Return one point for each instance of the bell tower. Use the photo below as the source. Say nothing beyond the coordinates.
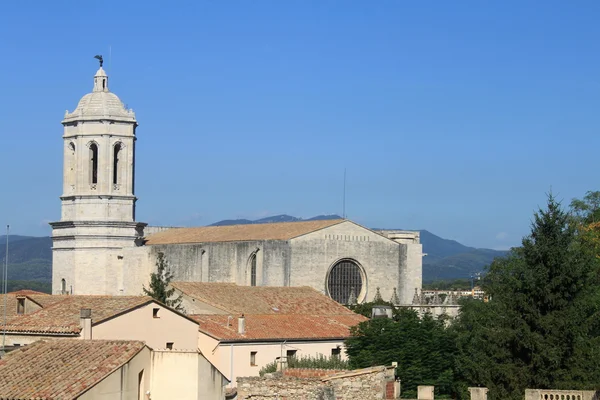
(98, 199)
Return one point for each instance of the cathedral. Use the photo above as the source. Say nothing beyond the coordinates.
(100, 248)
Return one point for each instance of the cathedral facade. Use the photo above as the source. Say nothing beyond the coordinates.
(99, 248)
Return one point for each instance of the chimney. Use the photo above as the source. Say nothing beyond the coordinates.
(242, 325)
(85, 318)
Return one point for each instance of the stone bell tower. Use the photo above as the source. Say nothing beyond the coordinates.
(98, 200)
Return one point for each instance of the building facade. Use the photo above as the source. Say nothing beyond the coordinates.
(100, 248)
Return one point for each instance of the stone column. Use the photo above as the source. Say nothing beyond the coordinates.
(478, 393)
(425, 392)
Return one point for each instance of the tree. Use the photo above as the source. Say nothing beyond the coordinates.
(159, 284)
(423, 348)
(541, 328)
(587, 210)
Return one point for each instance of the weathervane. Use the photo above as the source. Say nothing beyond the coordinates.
(99, 57)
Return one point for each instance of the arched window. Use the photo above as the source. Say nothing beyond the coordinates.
(93, 163)
(345, 280)
(63, 286)
(253, 270)
(116, 153)
(71, 165)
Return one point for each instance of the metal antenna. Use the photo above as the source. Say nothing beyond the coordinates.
(5, 292)
(344, 197)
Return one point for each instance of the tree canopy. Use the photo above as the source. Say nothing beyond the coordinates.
(423, 348)
(541, 327)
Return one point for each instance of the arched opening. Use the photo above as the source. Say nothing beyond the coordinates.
(116, 153)
(345, 282)
(253, 270)
(71, 165)
(103, 84)
(93, 163)
(63, 286)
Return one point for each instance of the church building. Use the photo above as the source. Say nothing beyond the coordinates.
(100, 248)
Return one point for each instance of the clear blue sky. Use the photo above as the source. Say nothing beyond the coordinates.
(455, 117)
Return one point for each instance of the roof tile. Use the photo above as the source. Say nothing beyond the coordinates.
(61, 369)
(274, 327)
(235, 299)
(62, 317)
(239, 233)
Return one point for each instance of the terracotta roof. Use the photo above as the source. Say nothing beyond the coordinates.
(39, 298)
(61, 369)
(25, 292)
(62, 317)
(275, 327)
(235, 299)
(239, 233)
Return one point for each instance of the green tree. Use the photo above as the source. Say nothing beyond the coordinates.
(541, 327)
(159, 284)
(587, 210)
(423, 348)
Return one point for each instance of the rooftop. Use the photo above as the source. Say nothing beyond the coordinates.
(247, 300)
(239, 233)
(61, 369)
(62, 316)
(279, 327)
(39, 298)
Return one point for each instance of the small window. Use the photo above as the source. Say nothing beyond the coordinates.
(63, 287)
(170, 345)
(336, 352)
(291, 353)
(21, 306)
(155, 312)
(253, 358)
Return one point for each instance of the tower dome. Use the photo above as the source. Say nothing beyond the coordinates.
(100, 104)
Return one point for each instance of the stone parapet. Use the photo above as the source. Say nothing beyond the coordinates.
(552, 394)
(366, 384)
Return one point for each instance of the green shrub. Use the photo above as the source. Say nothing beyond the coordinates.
(269, 368)
(321, 362)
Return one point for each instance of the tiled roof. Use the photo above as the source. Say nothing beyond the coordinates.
(61, 369)
(275, 327)
(41, 299)
(235, 299)
(25, 292)
(239, 233)
(62, 317)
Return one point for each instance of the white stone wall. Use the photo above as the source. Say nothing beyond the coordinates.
(381, 258)
(303, 261)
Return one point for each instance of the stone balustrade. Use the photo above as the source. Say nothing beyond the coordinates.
(552, 394)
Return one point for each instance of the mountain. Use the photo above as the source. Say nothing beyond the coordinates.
(273, 219)
(448, 259)
(30, 258)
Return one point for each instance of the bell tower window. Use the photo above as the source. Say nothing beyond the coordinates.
(93, 163)
(116, 154)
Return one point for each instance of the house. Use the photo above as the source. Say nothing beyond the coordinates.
(82, 370)
(107, 369)
(102, 317)
(244, 328)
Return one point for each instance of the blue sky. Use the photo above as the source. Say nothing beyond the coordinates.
(455, 117)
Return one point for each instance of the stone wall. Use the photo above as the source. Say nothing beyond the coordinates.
(365, 384)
